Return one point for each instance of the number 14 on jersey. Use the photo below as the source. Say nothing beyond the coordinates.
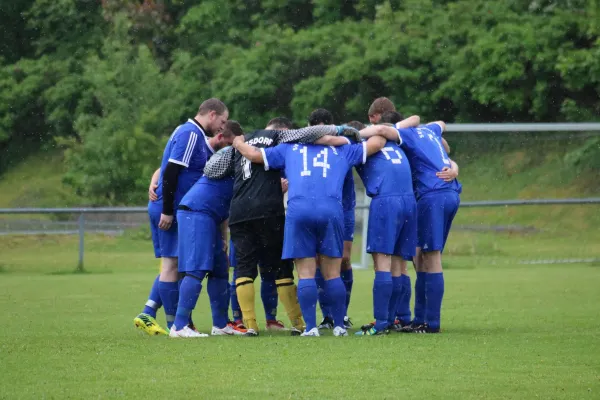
(319, 161)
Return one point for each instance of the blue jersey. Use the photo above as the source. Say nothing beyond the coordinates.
(211, 196)
(315, 171)
(387, 172)
(188, 147)
(423, 146)
(348, 194)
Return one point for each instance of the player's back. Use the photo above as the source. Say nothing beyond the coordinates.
(387, 173)
(189, 148)
(210, 196)
(427, 156)
(256, 192)
(316, 172)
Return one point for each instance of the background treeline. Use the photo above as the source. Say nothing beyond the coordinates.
(109, 80)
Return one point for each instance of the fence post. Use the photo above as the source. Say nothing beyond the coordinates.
(81, 235)
(365, 223)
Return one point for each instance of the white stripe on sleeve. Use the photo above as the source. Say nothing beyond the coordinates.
(190, 147)
(171, 160)
(264, 156)
(364, 152)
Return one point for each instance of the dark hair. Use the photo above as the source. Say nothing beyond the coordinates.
(391, 117)
(320, 116)
(381, 105)
(356, 125)
(280, 123)
(213, 104)
(232, 128)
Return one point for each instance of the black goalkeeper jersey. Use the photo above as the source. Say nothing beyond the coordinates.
(256, 192)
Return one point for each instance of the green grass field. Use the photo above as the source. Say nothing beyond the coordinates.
(510, 331)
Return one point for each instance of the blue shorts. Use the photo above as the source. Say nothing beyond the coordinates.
(164, 242)
(393, 226)
(349, 219)
(435, 212)
(201, 244)
(313, 228)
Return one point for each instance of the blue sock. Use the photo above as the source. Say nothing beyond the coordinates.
(218, 294)
(323, 296)
(336, 291)
(397, 291)
(235, 306)
(403, 310)
(420, 298)
(268, 294)
(382, 291)
(307, 297)
(188, 297)
(435, 293)
(154, 302)
(348, 278)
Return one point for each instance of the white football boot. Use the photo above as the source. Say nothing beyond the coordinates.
(312, 332)
(339, 331)
(186, 332)
(227, 331)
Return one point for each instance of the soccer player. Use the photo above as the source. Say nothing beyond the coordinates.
(380, 106)
(437, 204)
(315, 218)
(268, 290)
(257, 217)
(403, 313)
(202, 219)
(391, 236)
(322, 116)
(182, 165)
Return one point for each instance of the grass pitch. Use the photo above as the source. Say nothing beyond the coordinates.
(510, 331)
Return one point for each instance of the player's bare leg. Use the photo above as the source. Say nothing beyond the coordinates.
(336, 291)
(307, 293)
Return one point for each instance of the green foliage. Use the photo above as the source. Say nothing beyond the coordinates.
(119, 148)
(111, 76)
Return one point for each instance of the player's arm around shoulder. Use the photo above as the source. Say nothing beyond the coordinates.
(374, 144)
(335, 141)
(390, 132)
(248, 151)
(220, 164)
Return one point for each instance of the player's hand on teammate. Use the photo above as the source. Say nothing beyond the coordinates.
(349, 132)
(165, 222)
(152, 192)
(225, 248)
(447, 174)
(237, 141)
(284, 185)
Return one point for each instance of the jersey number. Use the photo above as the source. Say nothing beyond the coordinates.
(435, 139)
(388, 152)
(319, 161)
(247, 171)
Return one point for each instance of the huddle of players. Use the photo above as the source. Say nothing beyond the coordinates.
(317, 163)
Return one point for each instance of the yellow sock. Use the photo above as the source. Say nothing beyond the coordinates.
(244, 287)
(286, 289)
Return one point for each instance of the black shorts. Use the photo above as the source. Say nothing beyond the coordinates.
(260, 240)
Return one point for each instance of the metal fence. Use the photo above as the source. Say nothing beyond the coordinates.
(116, 220)
(86, 223)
